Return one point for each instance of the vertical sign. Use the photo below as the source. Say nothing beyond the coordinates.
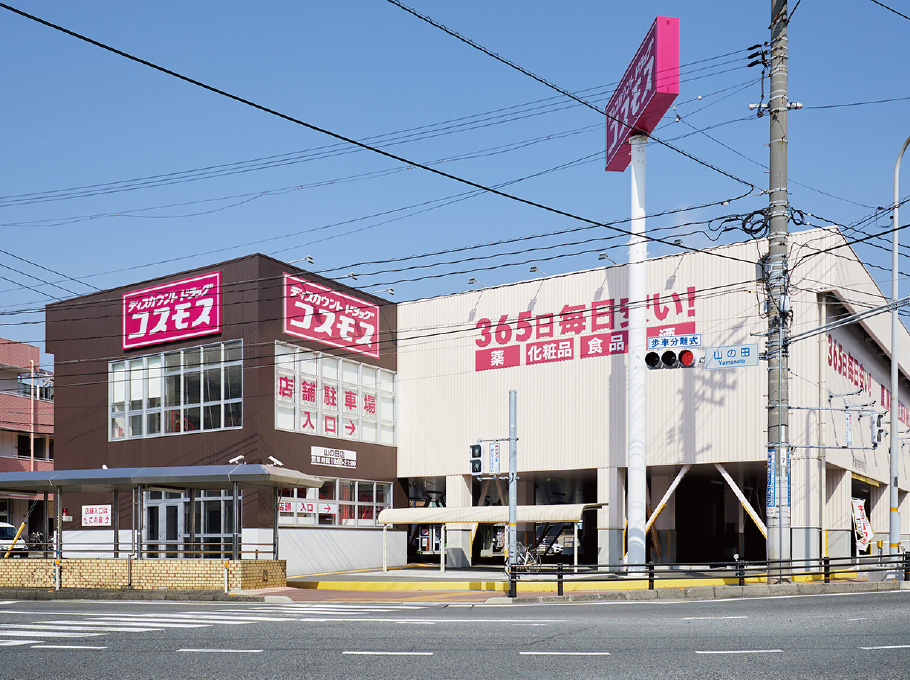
(495, 460)
(326, 316)
(771, 490)
(848, 427)
(646, 90)
(172, 311)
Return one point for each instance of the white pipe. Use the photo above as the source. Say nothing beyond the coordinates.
(894, 524)
(442, 549)
(385, 549)
(636, 395)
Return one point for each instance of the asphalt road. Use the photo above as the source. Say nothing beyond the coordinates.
(829, 636)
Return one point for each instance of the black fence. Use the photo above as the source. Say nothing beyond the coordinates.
(738, 573)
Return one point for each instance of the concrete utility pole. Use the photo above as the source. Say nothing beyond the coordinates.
(777, 279)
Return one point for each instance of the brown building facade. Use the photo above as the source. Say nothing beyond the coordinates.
(248, 360)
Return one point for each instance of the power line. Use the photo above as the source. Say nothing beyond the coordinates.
(565, 93)
(891, 9)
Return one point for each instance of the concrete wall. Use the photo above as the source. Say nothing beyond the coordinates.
(144, 574)
(320, 549)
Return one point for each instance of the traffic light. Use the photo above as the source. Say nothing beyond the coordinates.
(878, 430)
(476, 459)
(673, 358)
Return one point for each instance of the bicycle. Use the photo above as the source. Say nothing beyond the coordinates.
(526, 558)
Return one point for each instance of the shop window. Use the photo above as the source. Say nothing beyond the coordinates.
(316, 393)
(354, 503)
(192, 390)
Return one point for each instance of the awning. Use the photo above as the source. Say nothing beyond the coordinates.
(488, 514)
(162, 478)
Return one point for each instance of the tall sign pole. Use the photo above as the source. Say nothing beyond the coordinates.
(777, 280)
(649, 86)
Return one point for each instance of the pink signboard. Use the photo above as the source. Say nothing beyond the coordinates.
(326, 316)
(645, 92)
(172, 311)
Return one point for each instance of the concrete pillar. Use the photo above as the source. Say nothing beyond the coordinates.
(611, 519)
(458, 536)
(665, 524)
(805, 518)
(839, 522)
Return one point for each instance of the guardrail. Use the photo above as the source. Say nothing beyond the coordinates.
(220, 549)
(737, 573)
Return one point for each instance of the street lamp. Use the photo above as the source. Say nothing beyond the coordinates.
(894, 525)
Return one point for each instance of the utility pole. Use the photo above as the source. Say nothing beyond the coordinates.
(777, 279)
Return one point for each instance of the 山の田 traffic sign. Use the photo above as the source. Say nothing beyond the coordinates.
(731, 356)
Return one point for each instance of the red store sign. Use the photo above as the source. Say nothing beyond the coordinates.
(601, 329)
(172, 311)
(326, 316)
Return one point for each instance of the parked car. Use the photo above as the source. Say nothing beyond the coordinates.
(7, 534)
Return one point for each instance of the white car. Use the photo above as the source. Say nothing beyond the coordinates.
(7, 534)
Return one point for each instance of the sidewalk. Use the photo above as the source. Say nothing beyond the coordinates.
(422, 583)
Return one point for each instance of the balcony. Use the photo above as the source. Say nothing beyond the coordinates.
(15, 409)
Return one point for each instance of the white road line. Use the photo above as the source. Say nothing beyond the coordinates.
(156, 618)
(43, 633)
(78, 626)
(564, 653)
(888, 647)
(390, 653)
(223, 651)
(742, 651)
(530, 624)
(711, 618)
(861, 618)
(417, 623)
(5, 602)
(152, 622)
(11, 643)
(66, 647)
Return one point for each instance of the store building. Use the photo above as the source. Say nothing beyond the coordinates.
(256, 358)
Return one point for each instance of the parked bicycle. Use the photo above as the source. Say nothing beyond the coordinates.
(526, 558)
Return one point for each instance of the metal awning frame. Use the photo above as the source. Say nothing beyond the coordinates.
(167, 479)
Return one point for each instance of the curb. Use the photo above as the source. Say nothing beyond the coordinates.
(117, 594)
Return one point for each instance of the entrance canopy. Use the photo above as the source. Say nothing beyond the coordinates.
(487, 514)
(161, 478)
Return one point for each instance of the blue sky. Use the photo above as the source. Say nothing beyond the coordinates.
(78, 117)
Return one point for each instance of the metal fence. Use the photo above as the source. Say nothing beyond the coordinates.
(737, 573)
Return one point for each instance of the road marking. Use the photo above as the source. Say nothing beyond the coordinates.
(157, 623)
(861, 618)
(711, 618)
(156, 619)
(417, 623)
(66, 647)
(743, 651)
(223, 651)
(5, 602)
(11, 643)
(390, 653)
(77, 626)
(530, 624)
(45, 633)
(564, 653)
(888, 647)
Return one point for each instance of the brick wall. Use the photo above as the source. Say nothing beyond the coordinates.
(144, 574)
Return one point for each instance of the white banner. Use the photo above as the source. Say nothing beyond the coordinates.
(96, 515)
(321, 455)
(862, 525)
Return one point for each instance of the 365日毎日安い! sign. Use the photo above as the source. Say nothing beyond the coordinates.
(324, 315)
(172, 311)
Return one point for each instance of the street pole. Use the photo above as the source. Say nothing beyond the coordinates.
(636, 394)
(894, 525)
(513, 487)
(777, 275)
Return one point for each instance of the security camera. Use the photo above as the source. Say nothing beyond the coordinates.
(236, 460)
(275, 461)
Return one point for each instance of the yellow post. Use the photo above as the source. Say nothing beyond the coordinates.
(13, 544)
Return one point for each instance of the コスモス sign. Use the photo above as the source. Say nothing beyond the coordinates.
(172, 311)
(645, 92)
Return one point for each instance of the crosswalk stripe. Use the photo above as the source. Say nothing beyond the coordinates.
(67, 647)
(76, 626)
(156, 619)
(156, 623)
(11, 643)
(43, 633)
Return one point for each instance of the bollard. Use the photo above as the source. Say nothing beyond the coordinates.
(827, 562)
(650, 577)
(741, 571)
(559, 579)
(56, 574)
(513, 588)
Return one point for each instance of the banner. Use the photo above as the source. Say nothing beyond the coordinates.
(864, 533)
